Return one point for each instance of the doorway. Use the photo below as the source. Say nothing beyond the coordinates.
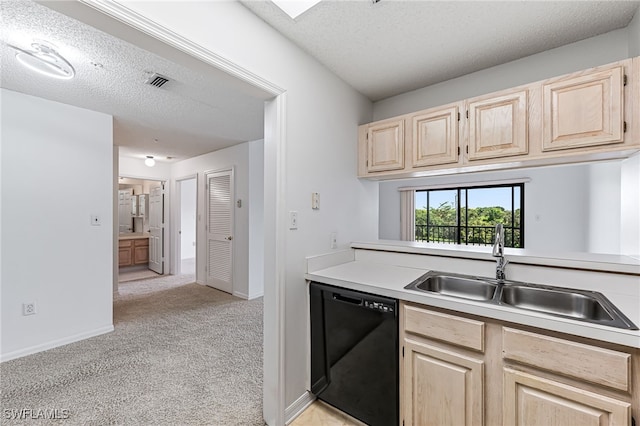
(141, 217)
(186, 244)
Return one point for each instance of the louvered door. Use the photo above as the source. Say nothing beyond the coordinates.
(219, 264)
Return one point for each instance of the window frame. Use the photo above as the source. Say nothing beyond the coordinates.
(460, 227)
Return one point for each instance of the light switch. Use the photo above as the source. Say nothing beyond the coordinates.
(293, 219)
(95, 220)
(315, 200)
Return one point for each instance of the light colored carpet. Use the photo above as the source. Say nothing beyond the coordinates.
(181, 354)
(135, 274)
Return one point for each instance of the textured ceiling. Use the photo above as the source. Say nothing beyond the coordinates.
(380, 49)
(194, 114)
(392, 47)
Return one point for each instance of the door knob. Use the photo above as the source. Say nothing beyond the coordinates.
(229, 238)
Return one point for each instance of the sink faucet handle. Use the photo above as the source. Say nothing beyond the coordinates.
(498, 245)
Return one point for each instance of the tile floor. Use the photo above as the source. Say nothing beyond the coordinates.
(321, 414)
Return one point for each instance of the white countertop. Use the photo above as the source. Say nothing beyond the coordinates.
(134, 235)
(390, 280)
(586, 261)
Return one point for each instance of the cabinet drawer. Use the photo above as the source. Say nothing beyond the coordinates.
(143, 242)
(597, 365)
(459, 331)
(125, 243)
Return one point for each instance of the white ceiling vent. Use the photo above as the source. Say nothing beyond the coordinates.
(157, 80)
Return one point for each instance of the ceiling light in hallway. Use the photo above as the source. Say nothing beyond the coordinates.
(150, 162)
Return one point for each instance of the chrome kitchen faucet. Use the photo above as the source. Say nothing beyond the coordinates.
(498, 251)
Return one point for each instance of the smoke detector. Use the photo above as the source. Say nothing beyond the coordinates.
(157, 80)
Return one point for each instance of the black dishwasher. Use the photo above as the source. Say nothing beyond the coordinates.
(354, 353)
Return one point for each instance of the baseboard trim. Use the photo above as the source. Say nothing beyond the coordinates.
(298, 406)
(247, 296)
(54, 343)
(256, 295)
(241, 295)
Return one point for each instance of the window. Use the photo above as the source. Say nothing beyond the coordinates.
(468, 215)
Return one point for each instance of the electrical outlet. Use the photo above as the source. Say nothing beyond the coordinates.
(29, 308)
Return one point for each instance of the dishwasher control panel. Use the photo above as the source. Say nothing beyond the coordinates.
(379, 306)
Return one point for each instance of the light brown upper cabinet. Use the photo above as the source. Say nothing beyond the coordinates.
(584, 110)
(584, 116)
(385, 146)
(498, 125)
(435, 136)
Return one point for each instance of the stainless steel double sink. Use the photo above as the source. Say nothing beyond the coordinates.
(581, 305)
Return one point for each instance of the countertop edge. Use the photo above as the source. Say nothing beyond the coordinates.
(630, 338)
(137, 236)
(588, 261)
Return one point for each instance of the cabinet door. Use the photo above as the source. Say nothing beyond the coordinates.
(441, 387)
(141, 255)
(498, 126)
(141, 251)
(583, 111)
(533, 400)
(125, 257)
(385, 146)
(435, 137)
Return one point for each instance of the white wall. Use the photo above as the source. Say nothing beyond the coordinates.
(634, 35)
(604, 207)
(630, 206)
(236, 157)
(322, 114)
(551, 203)
(609, 47)
(188, 218)
(50, 252)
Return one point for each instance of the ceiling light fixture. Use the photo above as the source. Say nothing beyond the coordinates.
(46, 60)
(150, 162)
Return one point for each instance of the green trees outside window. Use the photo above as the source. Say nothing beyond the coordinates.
(468, 215)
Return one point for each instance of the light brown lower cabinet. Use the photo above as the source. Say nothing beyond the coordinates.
(125, 252)
(532, 400)
(141, 251)
(444, 388)
(471, 370)
(133, 252)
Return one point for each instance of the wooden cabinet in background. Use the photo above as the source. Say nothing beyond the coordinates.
(125, 252)
(133, 252)
(141, 251)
